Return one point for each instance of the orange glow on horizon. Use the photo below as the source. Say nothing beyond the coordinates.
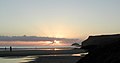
(33, 43)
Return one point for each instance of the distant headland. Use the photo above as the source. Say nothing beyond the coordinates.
(32, 38)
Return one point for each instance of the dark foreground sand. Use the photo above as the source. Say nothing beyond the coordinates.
(55, 59)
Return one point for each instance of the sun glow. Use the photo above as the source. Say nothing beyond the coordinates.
(55, 41)
(60, 35)
(58, 30)
(48, 42)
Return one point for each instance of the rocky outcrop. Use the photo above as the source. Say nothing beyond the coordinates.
(76, 44)
(102, 49)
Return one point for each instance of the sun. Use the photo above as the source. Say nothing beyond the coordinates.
(55, 41)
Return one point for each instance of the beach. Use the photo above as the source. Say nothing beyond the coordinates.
(39, 52)
(44, 56)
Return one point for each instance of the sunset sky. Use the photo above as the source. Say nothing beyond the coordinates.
(59, 18)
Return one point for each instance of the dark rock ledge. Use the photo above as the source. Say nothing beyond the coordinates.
(102, 49)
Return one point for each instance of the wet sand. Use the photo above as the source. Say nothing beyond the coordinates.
(39, 52)
(45, 56)
(55, 59)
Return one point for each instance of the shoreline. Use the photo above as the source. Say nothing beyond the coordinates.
(39, 52)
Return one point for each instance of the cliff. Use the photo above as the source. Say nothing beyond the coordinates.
(101, 40)
(102, 49)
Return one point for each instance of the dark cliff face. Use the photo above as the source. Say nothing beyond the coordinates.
(101, 40)
(105, 52)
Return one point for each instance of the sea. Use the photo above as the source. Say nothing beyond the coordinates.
(33, 45)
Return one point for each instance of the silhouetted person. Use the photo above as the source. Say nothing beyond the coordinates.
(10, 48)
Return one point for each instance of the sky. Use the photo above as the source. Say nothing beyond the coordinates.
(59, 18)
